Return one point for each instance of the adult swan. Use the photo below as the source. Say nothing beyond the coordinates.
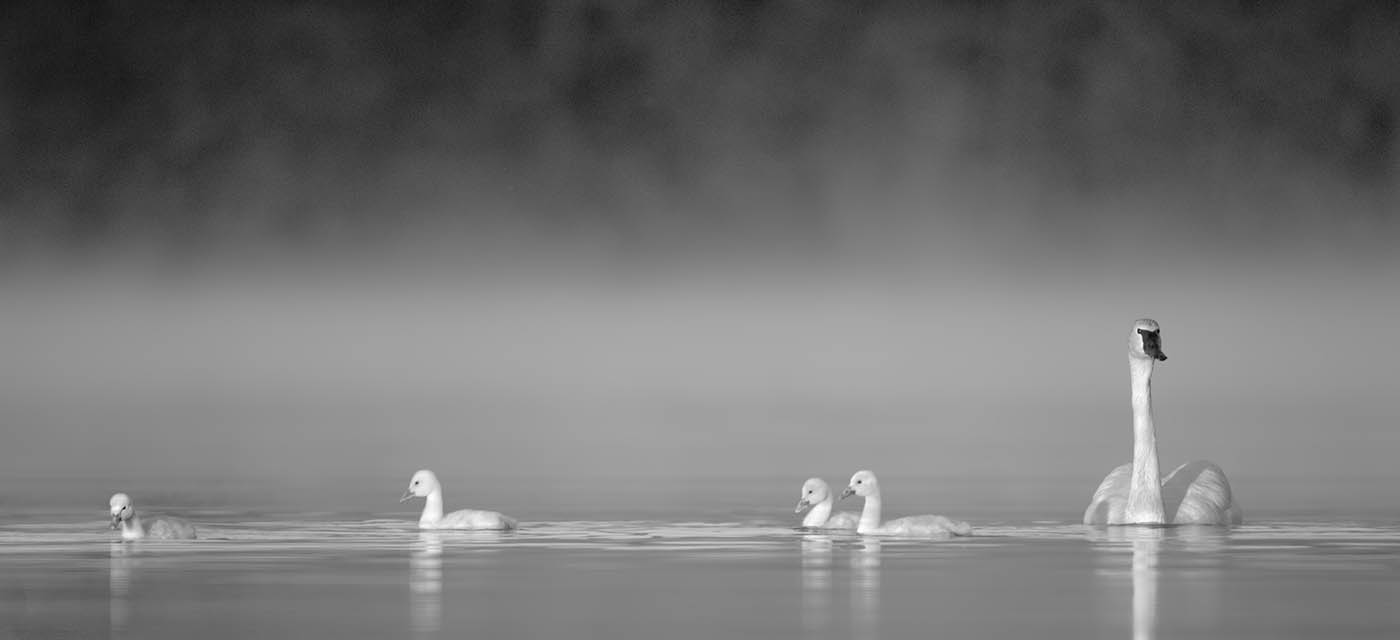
(1195, 493)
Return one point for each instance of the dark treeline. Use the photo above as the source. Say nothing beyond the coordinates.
(185, 123)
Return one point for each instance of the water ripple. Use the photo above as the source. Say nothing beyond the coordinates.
(249, 534)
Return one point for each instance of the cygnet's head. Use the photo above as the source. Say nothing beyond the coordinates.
(863, 484)
(122, 508)
(422, 484)
(1146, 340)
(814, 491)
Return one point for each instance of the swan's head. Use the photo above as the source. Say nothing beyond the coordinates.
(420, 485)
(814, 491)
(863, 484)
(1146, 340)
(122, 509)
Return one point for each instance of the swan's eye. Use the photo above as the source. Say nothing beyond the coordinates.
(858, 481)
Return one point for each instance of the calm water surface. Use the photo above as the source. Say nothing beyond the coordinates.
(269, 573)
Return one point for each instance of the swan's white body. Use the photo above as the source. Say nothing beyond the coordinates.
(154, 527)
(817, 500)
(865, 485)
(1136, 493)
(424, 484)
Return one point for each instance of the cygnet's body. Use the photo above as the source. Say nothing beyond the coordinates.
(153, 527)
(864, 484)
(424, 484)
(817, 500)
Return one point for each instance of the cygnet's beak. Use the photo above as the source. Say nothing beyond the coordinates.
(802, 506)
(407, 495)
(847, 493)
(116, 521)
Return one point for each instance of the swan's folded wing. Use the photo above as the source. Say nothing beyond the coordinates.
(1199, 493)
(1111, 495)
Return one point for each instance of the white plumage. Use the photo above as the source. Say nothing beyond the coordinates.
(133, 527)
(424, 484)
(817, 501)
(1194, 493)
(865, 485)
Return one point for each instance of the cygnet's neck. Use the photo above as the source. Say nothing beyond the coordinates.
(1145, 488)
(870, 513)
(432, 507)
(131, 528)
(819, 513)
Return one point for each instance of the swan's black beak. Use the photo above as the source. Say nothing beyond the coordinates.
(407, 495)
(847, 493)
(1152, 344)
(116, 521)
(802, 506)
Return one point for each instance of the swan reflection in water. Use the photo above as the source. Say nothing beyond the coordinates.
(1146, 544)
(1146, 549)
(425, 583)
(120, 564)
(816, 584)
(865, 589)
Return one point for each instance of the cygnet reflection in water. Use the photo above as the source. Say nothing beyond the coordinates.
(121, 561)
(865, 589)
(816, 583)
(425, 583)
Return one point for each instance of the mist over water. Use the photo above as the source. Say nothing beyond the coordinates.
(498, 378)
(524, 240)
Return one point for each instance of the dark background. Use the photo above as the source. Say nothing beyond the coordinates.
(643, 128)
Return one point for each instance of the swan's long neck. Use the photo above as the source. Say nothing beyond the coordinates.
(870, 514)
(1145, 490)
(819, 514)
(432, 507)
